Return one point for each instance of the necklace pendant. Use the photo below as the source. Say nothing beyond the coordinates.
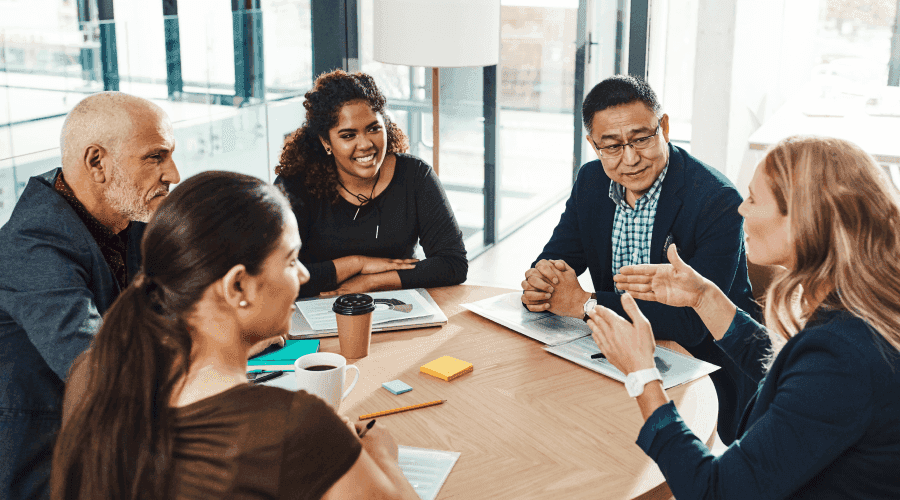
(357, 212)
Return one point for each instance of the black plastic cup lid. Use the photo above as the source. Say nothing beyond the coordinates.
(353, 304)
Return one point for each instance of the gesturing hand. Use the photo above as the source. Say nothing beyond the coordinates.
(375, 265)
(675, 284)
(628, 346)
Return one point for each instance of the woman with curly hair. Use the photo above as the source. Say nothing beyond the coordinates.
(825, 420)
(362, 203)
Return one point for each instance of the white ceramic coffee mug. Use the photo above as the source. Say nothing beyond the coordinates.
(323, 374)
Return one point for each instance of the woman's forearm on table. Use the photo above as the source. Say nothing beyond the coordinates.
(715, 310)
(435, 271)
(652, 398)
(347, 267)
(389, 280)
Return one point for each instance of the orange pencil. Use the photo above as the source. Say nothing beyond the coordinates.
(398, 410)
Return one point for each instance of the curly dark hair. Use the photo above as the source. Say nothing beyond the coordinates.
(303, 154)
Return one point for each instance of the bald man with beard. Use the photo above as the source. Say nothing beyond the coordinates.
(69, 248)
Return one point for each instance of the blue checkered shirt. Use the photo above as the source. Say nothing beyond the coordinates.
(633, 227)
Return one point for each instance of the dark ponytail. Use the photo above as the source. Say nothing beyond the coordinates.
(118, 441)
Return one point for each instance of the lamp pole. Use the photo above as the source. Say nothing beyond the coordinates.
(435, 112)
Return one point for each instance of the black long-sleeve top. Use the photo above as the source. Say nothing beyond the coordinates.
(412, 208)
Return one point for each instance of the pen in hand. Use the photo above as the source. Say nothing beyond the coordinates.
(365, 429)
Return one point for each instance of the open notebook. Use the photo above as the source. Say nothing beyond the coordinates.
(394, 310)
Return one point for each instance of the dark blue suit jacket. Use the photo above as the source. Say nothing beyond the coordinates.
(825, 423)
(698, 208)
(54, 288)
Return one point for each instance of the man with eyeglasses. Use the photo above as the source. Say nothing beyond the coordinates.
(642, 195)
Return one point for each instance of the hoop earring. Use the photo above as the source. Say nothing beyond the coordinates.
(328, 151)
(243, 303)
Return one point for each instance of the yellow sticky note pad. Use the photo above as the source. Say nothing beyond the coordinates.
(447, 368)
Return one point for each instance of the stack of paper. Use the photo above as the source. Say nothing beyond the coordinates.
(569, 338)
(394, 310)
(544, 327)
(426, 470)
(676, 368)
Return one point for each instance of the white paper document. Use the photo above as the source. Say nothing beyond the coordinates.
(426, 470)
(507, 310)
(397, 305)
(676, 368)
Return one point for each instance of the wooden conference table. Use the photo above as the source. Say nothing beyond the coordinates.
(528, 424)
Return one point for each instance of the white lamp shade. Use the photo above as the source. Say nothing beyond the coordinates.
(437, 33)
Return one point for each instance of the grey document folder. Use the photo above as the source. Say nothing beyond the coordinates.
(301, 329)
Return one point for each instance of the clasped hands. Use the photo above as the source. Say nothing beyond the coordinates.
(552, 285)
(629, 346)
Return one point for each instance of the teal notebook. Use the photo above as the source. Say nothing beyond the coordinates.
(283, 359)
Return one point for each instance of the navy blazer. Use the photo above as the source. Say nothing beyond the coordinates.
(697, 207)
(825, 423)
(54, 288)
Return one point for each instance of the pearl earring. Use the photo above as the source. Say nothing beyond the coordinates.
(328, 151)
(243, 303)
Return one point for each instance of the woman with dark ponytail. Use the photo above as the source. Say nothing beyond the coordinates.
(160, 407)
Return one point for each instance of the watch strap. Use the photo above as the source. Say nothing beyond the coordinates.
(635, 381)
(594, 298)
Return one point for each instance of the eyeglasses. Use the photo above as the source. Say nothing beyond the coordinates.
(617, 150)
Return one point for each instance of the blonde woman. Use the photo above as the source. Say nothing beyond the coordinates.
(825, 422)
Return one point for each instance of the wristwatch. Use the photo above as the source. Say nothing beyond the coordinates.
(635, 381)
(589, 306)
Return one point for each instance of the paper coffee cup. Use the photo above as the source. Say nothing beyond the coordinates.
(354, 323)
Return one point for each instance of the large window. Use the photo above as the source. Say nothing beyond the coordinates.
(230, 74)
(537, 86)
(737, 77)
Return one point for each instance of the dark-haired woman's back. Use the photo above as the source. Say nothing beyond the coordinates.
(160, 406)
(251, 442)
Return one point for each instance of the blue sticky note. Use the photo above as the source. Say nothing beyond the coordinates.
(396, 387)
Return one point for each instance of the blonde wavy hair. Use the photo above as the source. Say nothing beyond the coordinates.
(845, 231)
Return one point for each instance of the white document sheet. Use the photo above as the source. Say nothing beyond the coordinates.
(426, 470)
(507, 310)
(390, 306)
(676, 368)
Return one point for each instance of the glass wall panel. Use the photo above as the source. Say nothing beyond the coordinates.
(537, 71)
(141, 47)
(49, 63)
(408, 90)
(207, 45)
(286, 42)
